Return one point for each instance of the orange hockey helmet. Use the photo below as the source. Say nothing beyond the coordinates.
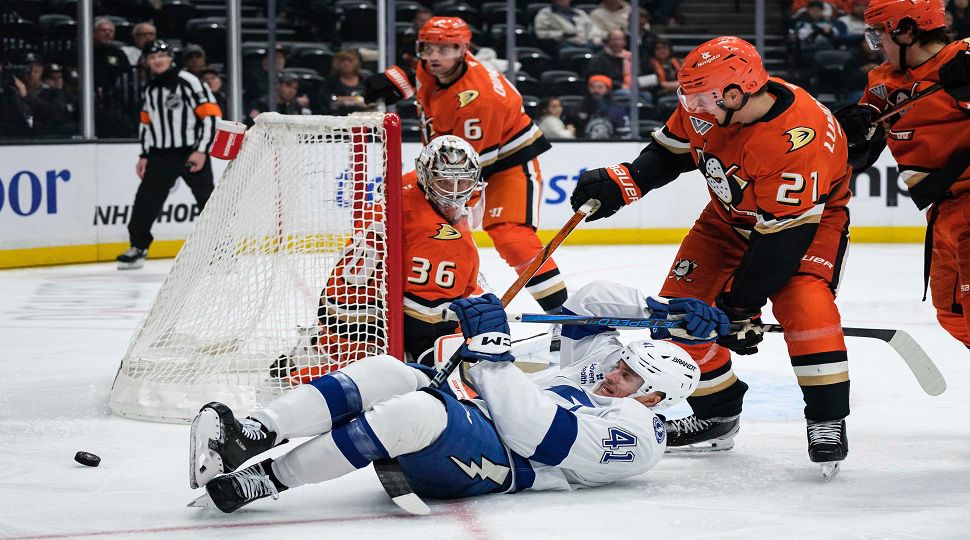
(712, 67)
(445, 30)
(927, 14)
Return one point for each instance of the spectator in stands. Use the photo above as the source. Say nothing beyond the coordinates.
(599, 116)
(141, 35)
(421, 16)
(961, 18)
(14, 113)
(256, 83)
(213, 80)
(193, 59)
(815, 33)
(863, 60)
(663, 11)
(110, 62)
(551, 120)
(613, 61)
(288, 99)
(612, 15)
(850, 28)
(54, 110)
(406, 43)
(566, 25)
(110, 65)
(645, 36)
(345, 84)
(799, 7)
(665, 67)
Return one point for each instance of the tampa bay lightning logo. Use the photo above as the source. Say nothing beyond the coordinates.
(658, 430)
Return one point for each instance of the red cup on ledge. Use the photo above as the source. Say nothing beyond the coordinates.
(229, 138)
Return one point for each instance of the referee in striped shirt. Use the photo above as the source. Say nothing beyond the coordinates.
(178, 124)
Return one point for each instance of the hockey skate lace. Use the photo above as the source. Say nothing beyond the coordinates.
(132, 252)
(825, 433)
(689, 424)
(255, 483)
(252, 429)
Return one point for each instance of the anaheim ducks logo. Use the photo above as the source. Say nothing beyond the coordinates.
(465, 97)
(447, 232)
(682, 269)
(799, 137)
(724, 183)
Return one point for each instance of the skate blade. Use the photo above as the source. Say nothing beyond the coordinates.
(715, 445)
(204, 463)
(205, 501)
(132, 265)
(830, 469)
(412, 504)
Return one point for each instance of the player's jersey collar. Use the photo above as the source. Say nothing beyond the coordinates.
(784, 98)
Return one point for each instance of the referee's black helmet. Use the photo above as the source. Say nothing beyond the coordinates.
(157, 46)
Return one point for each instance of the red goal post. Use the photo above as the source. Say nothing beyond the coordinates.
(240, 307)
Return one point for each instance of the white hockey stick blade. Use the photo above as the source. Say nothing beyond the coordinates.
(202, 502)
(412, 504)
(830, 469)
(926, 372)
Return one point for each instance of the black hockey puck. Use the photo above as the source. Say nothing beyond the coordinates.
(87, 458)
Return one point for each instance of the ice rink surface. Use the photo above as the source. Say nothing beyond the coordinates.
(64, 330)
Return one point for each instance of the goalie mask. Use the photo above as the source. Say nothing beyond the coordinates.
(449, 173)
(665, 368)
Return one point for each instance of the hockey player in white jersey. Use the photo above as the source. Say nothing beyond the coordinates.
(581, 431)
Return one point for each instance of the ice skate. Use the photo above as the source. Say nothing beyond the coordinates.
(219, 443)
(230, 492)
(691, 434)
(132, 259)
(827, 445)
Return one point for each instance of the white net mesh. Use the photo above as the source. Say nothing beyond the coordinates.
(240, 317)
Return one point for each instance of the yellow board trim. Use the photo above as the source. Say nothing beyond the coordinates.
(161, 249)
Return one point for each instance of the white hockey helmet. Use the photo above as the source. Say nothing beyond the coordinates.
(449, 173)
(665, 367)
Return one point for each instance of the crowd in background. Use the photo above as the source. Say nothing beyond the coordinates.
(574, 62)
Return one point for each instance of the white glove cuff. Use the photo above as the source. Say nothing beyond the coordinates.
(491, 343)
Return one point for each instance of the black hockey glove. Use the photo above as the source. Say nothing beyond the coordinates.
(955, 76)
(392, 86)
(746, 328)
(612, 186)
(865, 139)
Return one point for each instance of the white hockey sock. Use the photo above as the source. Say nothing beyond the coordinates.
(302, 412)
(316, 460)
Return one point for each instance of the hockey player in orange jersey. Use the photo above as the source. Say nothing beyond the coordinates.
(929, 140)
(456, 95)
(776, 228)
(440, 265)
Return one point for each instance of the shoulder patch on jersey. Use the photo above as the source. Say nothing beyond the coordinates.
(447, 232)
(879, 90)
(799, 137)
(700, 126)
(465, 97)
(658, 430)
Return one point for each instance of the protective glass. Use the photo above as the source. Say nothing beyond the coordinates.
(445, 51)
(701, 102)
(874, 37)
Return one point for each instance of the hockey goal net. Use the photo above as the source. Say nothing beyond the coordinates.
(239, 311)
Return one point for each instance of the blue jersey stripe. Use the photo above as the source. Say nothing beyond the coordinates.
(342, 396)
(524, 475)
(558, 440)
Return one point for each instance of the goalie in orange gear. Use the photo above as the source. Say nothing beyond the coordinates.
(440, 261)
(928, 140)
(457, 95)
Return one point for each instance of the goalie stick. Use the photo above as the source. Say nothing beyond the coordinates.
(924, 369)
(389, 470)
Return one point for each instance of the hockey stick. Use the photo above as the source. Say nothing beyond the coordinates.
(927, 374)
(389, 470)
(902, 107)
